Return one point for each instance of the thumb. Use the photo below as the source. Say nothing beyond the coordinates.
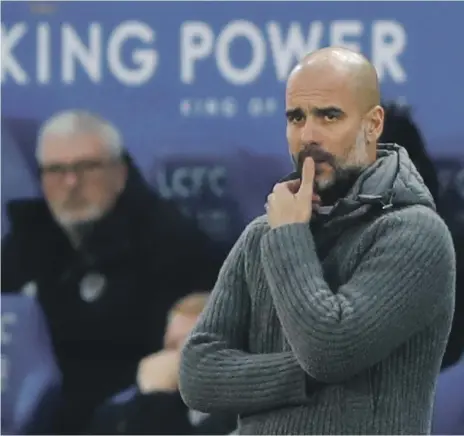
(307, 178)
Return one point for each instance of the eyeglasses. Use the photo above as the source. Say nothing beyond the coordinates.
(80, 168)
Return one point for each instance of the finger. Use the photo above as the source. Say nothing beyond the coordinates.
(286, 188)
(307, 178)
(280, 187)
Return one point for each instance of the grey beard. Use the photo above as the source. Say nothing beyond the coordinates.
(340, 172)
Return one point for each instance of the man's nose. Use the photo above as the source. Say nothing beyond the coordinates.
(70, 178)
(308, 132)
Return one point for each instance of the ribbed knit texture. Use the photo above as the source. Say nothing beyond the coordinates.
(334, 330)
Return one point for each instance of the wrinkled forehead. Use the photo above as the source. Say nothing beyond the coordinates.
(311, 87)
(65, 148)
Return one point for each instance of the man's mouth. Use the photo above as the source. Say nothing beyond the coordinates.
(319, 156)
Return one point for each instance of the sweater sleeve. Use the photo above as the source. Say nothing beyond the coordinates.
(216, 372)
(402, 281)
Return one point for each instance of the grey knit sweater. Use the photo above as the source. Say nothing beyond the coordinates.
(337, 327)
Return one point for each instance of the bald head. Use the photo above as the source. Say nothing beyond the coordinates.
(347, 66)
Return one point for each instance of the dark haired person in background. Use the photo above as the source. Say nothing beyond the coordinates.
(156, 407)
(401, 128)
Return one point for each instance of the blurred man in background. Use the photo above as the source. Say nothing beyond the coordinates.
(400, 128)
(105, 256)
(157, 407)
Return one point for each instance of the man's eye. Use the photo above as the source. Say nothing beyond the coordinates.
(330, 117)
(53, 169)
(296, 118)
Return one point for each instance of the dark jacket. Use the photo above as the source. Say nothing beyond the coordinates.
(400, 127)
(150, 256)
(448, 416)
(159, 413)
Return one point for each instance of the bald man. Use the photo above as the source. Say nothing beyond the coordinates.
(332, 311)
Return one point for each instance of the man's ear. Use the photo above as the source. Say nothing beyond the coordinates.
(374, 124)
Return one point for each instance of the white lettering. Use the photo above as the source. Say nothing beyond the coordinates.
(146, 59)
(229, 107)
(190, 181)
(43, 53)
(286, 54)
(73, 49)
(258, 107)
(217, 180)
(198, 177)
(211, 106)
(255, 107)
(162, 184)
(341, 30)
(10, 65)
(388, 43)
(97, 55)
(196, 43)
(270, 105)
(248, 74)
(179, 182)
(175, 186)
(185, 107)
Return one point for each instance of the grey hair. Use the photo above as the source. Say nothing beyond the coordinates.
(73, 122)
